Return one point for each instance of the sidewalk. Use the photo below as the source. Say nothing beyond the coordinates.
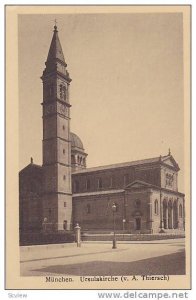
(68, 250)
(92, 259)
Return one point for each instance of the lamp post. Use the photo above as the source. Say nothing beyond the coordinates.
(123, 227)
(114, 237)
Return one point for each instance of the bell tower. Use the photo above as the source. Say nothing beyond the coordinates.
(57, 198)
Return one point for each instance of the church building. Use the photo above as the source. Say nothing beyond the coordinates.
(63, 191)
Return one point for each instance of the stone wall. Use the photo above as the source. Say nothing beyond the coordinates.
(95, 211)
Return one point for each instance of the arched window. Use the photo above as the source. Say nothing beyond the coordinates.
(117, 207)
(126, 179)
(88, 184)
(72, 159)
(76, 186)
(62, 92)
(156, 207)
(180, 210)
(88, 209)
(137, 203)
(49, 214)
(99, 183)
(111, 181)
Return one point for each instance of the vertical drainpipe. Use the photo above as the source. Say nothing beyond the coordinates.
(124, 214)
(150, 212)
(161, 213)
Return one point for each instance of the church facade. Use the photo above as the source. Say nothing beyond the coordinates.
(63, 191)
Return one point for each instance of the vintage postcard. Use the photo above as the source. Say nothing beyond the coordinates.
(98, 147)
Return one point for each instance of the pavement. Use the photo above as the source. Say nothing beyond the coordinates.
(162, 257)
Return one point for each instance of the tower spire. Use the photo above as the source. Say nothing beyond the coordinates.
(55, 59)
(55, 51)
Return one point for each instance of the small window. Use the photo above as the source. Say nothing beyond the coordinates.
(63, 127)
(64, 177)
(99, 183)
(63, 151)
(156, 207)
(65, 204)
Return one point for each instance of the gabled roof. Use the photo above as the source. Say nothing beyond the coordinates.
(140, 184)
(30, 167)
(161, 159)
(169, 160)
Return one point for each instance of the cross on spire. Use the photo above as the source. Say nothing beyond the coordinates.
(55, 25)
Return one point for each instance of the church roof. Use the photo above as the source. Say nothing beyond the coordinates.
(161, 159)
(55, 51)
(76, 141)
(30, 167)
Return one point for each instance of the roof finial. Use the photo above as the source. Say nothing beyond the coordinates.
(169, 152)
(31, 160)
(55, 24)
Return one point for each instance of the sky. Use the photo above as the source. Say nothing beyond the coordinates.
(127, 84)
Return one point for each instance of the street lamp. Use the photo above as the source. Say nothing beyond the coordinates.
(114, 237)
(124, 221)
